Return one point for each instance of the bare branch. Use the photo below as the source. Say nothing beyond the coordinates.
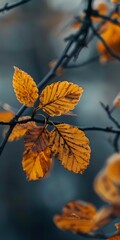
(10, 6)
(109, 113)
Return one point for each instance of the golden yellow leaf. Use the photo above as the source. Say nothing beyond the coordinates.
(77, 217)
(21, 129)
(25, 88)
(36, 164)
(6, 116)
(71, 147)
(37, 156)
(59, 70)
(106, 189)
(113, 168)
(59, 98)
(116, 101)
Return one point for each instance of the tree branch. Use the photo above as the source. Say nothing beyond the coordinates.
(109, 114)
(76, 50)
(88, 128)
(9, 6)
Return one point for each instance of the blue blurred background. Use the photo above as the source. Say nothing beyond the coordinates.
(30, 37)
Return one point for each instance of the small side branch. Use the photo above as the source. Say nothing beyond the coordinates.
(10, 6)
(109, 114)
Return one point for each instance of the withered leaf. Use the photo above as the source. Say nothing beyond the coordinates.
(37, 156)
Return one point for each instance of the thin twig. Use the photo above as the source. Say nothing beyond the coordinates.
(89, 61)
(113, 120)
(109, 113)
(10, 6)
(106, 18)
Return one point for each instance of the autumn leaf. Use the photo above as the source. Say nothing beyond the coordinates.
(59, 98)
(59, 70)
(106, 189)
(37, 156)
(102, 8)
(6, 116)
(37, 164)
(115, 237)
(117, 225)
(37, 139)
(116, 101)
(25, 88)
(113, 168)
(103, 216)
(71, 147)
(77, 217)
(21, 129)
(111, 36)
(115, 1)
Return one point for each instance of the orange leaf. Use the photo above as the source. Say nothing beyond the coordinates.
(59, 98)
(106, 189)
(116, 101)
(103, 216)
(59, 70)
(21, 129)
(71, 147)
(6, 116)
(37, 139)
(117, 225)
(36, 164)
(77, 217)
(111, 36)
(25, 88)
(37, 156)
(113, 168)
(115, 1)
(115, 237)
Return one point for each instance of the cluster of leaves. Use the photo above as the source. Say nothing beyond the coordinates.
(82, 217)
(67, 143)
